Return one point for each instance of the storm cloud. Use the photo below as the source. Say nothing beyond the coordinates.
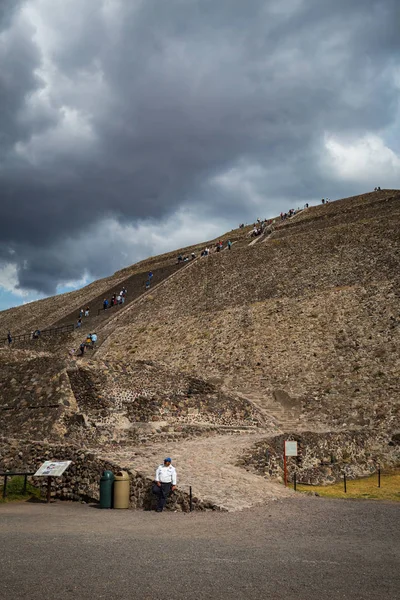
(129, 127)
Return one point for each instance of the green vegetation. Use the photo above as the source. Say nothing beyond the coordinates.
(15, 486)
(366, 487)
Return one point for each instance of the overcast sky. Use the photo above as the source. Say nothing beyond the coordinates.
(132, 127)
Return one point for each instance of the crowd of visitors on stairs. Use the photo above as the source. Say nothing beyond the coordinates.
(116, 299)
(82, 313)
(219, 246)
(184, 259)
(89, 342)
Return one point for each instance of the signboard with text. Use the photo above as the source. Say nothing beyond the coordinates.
(52, 468)
(290, 448)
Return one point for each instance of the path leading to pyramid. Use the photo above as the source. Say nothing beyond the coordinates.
(208, 464)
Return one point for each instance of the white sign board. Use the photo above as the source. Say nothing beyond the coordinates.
(52, 468)
(290, 448)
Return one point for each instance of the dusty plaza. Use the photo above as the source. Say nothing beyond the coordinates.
(305, 548)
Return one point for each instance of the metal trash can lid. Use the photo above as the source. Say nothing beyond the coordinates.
(121, 476)
(107, 475)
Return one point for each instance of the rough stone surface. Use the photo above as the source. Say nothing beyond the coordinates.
(323, 458)
(297, 333)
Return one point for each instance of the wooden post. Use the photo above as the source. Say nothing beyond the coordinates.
(284, 464)
(48, 489)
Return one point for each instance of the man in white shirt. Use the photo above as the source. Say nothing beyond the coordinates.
(166, 481)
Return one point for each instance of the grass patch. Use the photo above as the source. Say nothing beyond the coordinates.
(366, 487)
(15, 486)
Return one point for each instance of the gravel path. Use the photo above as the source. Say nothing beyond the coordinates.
(208, 465)
(301, 548)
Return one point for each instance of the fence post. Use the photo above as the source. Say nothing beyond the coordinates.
(48, 489)
(344, 481)
(379, 476)
(25, 481)
(190, 499)
(5, 486)
(294, 481)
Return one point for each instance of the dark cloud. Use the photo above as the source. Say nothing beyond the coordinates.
(131, 112)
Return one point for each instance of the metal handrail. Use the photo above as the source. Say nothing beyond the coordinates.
(43, 333)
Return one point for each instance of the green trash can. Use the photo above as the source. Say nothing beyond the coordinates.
(106, 489)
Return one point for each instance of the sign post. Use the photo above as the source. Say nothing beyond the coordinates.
(290, 449)
(50, 469)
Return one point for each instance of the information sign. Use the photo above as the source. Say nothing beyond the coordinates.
(290, 448)
(52, 468)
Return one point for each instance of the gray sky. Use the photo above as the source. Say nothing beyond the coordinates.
(130, 127)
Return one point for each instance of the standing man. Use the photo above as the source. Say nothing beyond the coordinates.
(166, 482)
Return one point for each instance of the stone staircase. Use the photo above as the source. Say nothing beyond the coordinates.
(266, 235)
(258, 238)
(285, 420)
(112, 323)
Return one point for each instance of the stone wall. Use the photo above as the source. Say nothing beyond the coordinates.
(82, 479)
(44, 396)
(113, 397)
(324, 456)
(34, 395)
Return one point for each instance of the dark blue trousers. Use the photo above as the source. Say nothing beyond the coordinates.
(164, 492)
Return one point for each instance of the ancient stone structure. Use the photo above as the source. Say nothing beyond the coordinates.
(296, 335)
(324, 457)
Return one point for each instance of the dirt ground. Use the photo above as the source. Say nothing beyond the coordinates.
(303, 548)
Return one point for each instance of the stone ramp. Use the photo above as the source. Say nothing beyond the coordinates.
(209, 466)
